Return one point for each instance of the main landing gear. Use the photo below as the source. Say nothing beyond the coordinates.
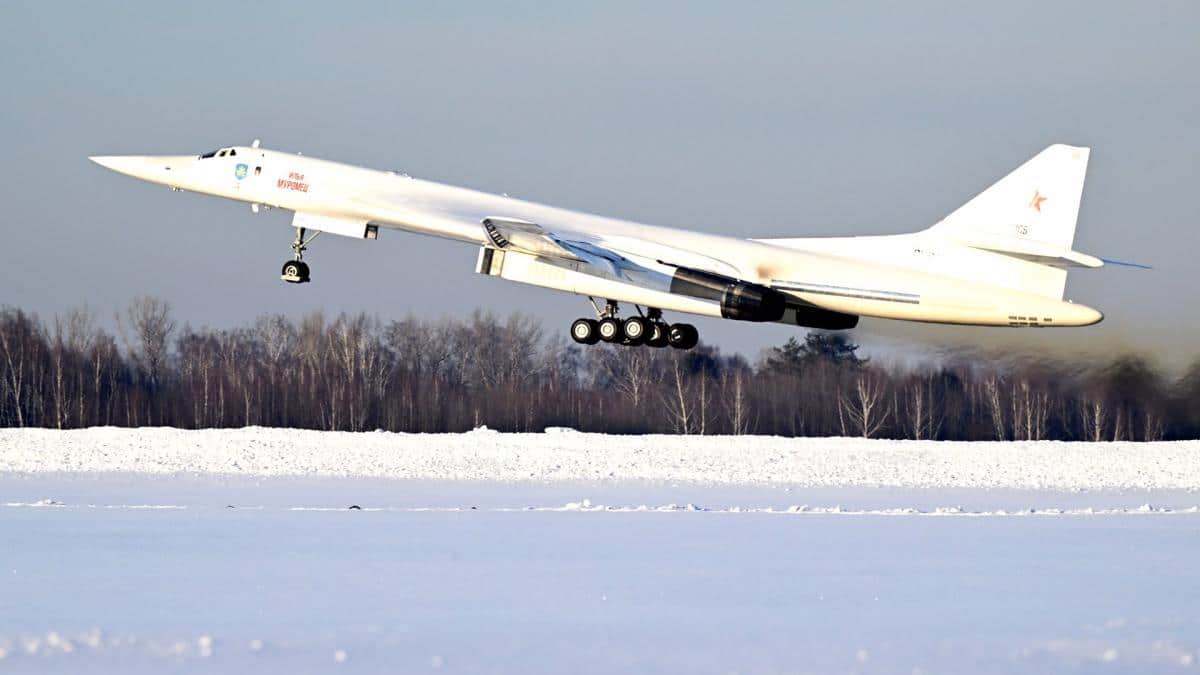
(648, 330)
(295, 271)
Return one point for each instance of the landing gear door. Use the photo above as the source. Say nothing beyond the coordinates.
(344, 226)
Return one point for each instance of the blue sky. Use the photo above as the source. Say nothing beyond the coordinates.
(754, 119)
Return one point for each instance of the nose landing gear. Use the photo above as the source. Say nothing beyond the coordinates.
(295, 271)
(648, 330)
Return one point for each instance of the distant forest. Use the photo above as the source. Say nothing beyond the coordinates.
(357, 373)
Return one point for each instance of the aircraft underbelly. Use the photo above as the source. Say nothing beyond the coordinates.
(577, 278)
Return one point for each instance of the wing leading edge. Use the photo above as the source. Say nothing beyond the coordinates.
(507, 233)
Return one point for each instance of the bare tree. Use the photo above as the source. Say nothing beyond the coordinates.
(152, 324)
(18, 342)
(150, 319)
(923, 418)
(1093, 415)
(82, 336)
(1029, 410)
(737, 400)
(103, 368)
(677, 400)
(629, 370)
(866, 407)
(1153, 427)
(58, 352)
(278, 337)
(990, 384)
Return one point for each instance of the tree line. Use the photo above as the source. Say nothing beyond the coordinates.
(357, 373)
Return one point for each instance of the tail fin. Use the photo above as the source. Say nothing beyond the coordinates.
(1034, 207)
(1025, 222)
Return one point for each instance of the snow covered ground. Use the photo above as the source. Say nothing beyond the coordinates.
(166, 551)
(570, 456)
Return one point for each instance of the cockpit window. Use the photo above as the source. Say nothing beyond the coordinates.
(222, 152)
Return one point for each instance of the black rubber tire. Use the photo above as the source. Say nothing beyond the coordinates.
(636, 330)
(295, 268)
(683, 336)
(585, 331)
(610, 330)
(657, 337)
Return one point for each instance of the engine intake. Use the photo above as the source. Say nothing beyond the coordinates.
(739, 300)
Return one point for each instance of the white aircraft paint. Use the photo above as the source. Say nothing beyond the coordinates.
(999, 260)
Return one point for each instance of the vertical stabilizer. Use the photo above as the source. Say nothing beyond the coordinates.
(1037, 204)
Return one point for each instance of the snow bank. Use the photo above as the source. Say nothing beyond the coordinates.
(571, 456)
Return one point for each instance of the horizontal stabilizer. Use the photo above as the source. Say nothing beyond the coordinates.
(1034, 251)
(1122, 263)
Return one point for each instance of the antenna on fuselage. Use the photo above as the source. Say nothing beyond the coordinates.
(254, 144)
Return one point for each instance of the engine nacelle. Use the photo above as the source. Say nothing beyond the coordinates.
(739, 300)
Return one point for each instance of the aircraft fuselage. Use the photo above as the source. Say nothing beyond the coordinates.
(921, 276)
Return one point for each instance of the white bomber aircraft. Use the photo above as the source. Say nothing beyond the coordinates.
(999, 260)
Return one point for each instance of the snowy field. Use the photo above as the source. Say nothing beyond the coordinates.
(166, 551)
(569, 456)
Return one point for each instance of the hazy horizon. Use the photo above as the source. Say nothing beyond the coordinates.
(776, 120)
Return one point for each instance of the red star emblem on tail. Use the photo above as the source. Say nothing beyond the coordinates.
(1036, 202)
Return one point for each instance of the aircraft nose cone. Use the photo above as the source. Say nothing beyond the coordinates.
(147, 167)
(119, 163)
(130, 165)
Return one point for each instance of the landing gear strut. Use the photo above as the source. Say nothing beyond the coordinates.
(648, 329)
(657, 335)
(295, 271)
